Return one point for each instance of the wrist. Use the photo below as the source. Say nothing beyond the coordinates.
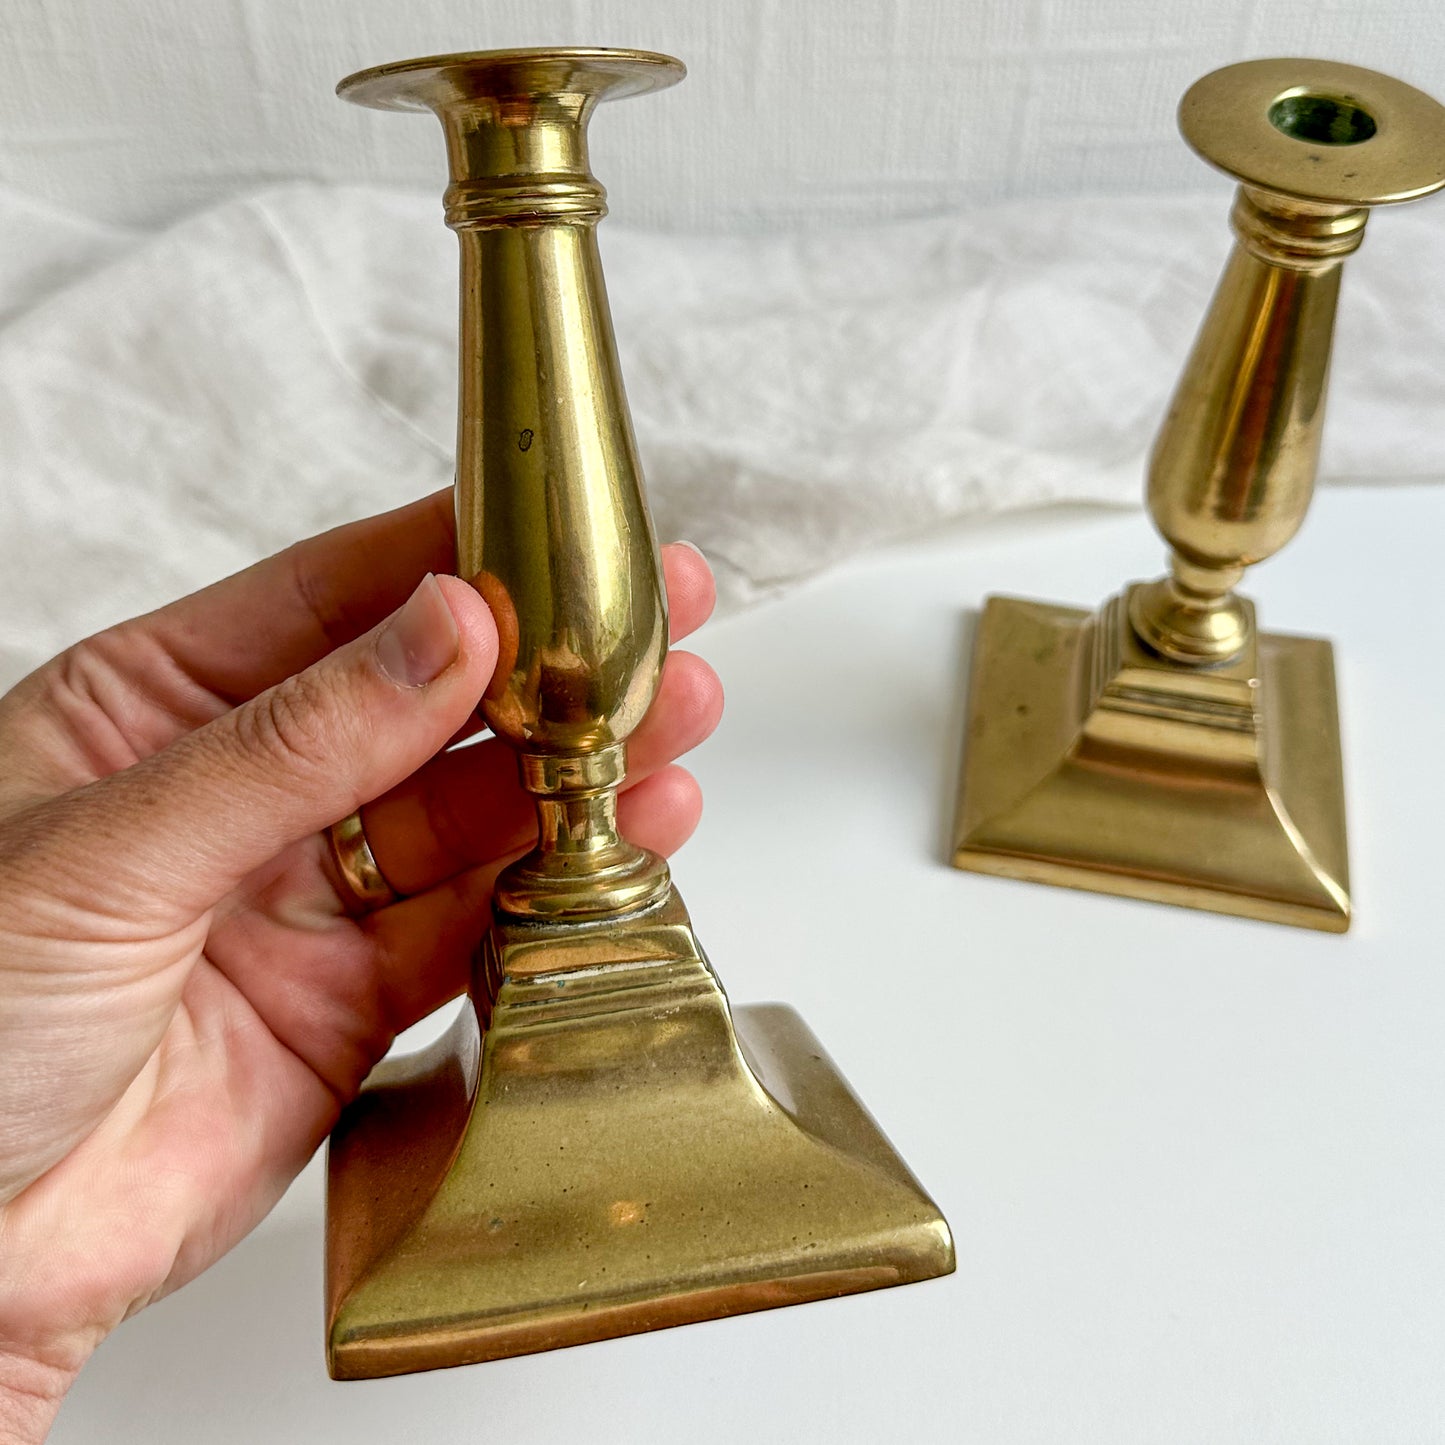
(30, 1396)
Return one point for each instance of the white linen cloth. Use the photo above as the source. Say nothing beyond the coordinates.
(173, 406)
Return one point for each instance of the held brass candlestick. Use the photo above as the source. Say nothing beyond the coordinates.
(1163, 748)
(599, 1146)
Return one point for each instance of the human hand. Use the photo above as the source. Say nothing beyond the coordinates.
(185, 1004)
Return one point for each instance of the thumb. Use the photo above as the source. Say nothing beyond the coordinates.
(182, 828)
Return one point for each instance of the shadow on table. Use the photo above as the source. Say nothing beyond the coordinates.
(235, 1348)
(955, 730)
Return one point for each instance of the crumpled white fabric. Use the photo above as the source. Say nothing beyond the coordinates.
(173, 406)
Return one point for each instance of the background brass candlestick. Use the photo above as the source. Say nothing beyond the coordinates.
(599, 1146)
(1164, 748)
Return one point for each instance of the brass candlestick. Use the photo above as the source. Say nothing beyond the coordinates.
(1163, 748)
(599, 1146)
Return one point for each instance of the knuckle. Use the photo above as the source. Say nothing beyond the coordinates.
(289, 724)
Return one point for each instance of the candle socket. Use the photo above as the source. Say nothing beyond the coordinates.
(600, 1145)
(1163, 748)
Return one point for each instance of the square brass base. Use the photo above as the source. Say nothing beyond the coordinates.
(1130, 776)
(614, 1152)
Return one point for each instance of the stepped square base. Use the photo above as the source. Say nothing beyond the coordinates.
(1090, 762)
(609, 1150)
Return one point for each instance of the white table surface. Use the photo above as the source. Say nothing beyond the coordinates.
(1195, 1166)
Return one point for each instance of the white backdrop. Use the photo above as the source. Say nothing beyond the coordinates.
(181, 393)
(140, 110)
(1195, 1170)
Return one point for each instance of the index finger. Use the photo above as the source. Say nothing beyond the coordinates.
(249, 631)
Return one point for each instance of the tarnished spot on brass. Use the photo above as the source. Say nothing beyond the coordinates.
(1316, 119)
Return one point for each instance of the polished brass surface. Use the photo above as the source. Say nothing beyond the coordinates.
(599, 1146)
(552, 526)
(1164, 749)
(632, 1155)
(359, 873)
(1089, 766)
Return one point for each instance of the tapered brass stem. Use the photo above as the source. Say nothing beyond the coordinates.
(552, 526)
(1234, 464)
(1235, 461)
